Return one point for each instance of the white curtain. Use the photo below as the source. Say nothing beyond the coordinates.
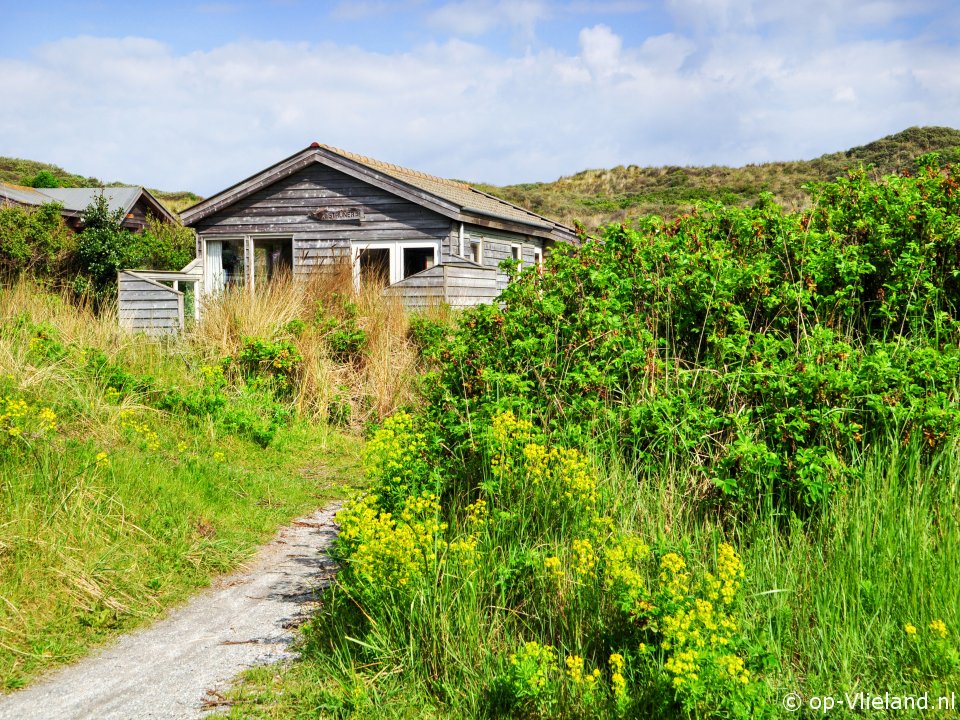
(215, 279)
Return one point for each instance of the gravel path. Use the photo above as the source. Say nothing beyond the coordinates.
(177, 667)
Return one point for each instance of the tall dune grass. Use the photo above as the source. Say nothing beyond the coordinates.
(381, 379)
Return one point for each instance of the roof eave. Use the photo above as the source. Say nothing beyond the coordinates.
(157, 205)
(197, 212)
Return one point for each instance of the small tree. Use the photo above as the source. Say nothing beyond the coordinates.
(104, 246)
(43, 179)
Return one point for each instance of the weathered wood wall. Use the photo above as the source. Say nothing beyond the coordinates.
(460, 284)
(497, 248)
(136, 219)
(148, 306)
(284, 208)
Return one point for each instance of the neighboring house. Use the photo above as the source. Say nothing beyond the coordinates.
(136, 203)
(427, 239)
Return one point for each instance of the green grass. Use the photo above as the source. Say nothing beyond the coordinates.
(90, 550)
(122, 510)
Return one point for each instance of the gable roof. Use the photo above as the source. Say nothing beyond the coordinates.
(76, 200)
(457, 200)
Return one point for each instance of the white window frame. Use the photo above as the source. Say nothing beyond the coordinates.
(356, 248)
(249, 241)
(396, 248)
(538, 257)
(516, 253)
(242, 239)
(479, 243)
(411, 245)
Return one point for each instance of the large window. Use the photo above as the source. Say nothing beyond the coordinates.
(232, 261)
(272, 258)
(373, 266)
(223, 264)
(385, 262)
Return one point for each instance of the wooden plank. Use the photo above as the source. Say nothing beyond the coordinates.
(472, 292)
(137, 295)
(171, 322)
(147, 305)
(399, 233)
(430, 291)
(135, 285)
(147, 313)
(477, 280)
(156, 329)
(402, 216)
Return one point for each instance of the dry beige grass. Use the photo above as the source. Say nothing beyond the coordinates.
(380, 380)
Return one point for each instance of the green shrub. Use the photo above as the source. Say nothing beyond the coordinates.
(765, 346)
(395, 460)
(523, 594)
(274, 363)
(163, 245)
(43, 179)
(34, 240)
(343, 337)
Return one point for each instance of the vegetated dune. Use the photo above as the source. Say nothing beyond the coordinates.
(598, 197)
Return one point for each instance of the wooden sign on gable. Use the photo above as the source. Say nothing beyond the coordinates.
(349, 213)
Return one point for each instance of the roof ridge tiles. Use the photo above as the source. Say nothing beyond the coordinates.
(374, 163)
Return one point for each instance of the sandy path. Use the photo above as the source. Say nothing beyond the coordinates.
(166, 670)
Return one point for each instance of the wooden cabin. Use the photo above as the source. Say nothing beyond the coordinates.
(133, 203)
(425, 238)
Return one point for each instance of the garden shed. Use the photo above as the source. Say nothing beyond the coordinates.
(427, 239)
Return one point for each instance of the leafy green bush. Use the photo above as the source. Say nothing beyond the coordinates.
(163, 246)
(766, 347)
(396, 462)
(34, 240)
(272, 362)
(43, 179)
(344, 338)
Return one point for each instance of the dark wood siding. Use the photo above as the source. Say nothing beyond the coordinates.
(497, 248)
(284, 208)
(136, 219)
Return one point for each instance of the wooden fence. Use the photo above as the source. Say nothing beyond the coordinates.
(147, 304)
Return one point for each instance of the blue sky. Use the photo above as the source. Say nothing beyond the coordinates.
(198, 95)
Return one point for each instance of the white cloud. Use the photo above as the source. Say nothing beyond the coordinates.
(134, 110)
(600, 49)
(474, 18)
